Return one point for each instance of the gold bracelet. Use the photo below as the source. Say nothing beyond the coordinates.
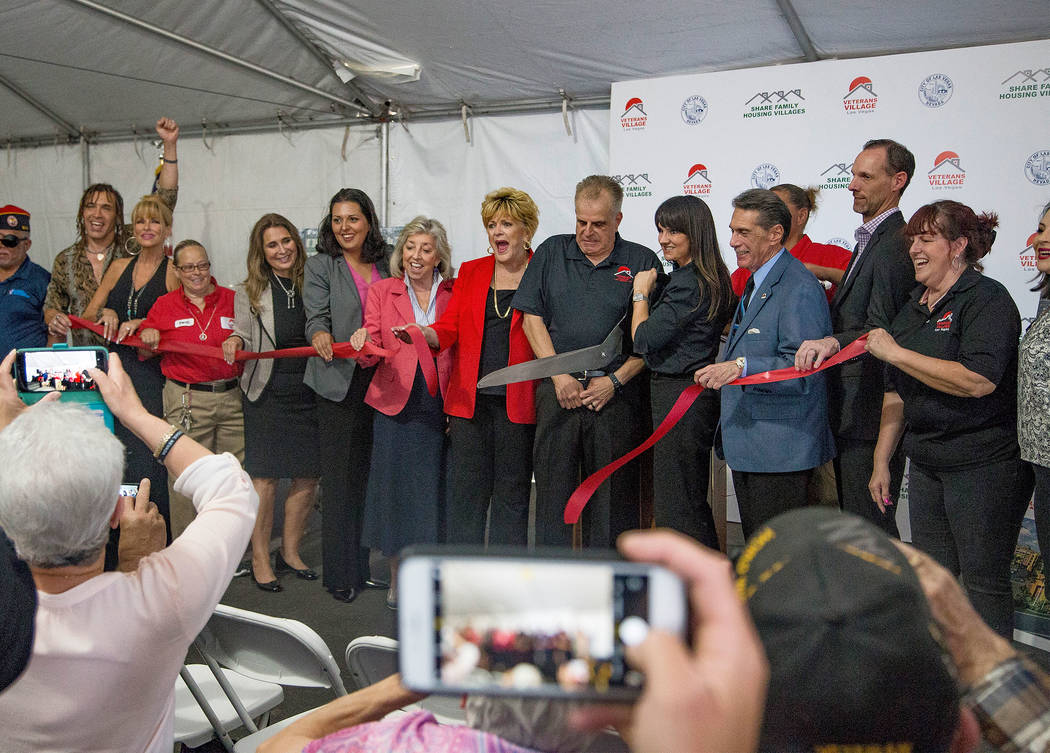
(164, 440)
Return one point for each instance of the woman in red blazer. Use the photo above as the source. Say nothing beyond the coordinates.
(407, 478)
(491, 430)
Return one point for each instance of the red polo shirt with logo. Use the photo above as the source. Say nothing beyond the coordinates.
(807, 252)
(178, 320)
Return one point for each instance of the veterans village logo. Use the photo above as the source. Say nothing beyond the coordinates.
(861, 97)
(635, 186)
(1028, 83)
(935, 90)
(623, 274)
(836, 176)
(634, 117)
(1037, 167)
(946, 172)
(944, 323)
(774, 104)
(694, 109)
(765, 175)
(1027, 256)
(697, 183)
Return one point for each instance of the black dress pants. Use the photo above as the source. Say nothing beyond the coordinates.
(345, 430)
(572, 444)
(682, 460)
(853, 467)
(491, 466)
(763, 496)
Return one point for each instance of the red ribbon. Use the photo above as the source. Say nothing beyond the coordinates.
(339, 350)
(580, 497)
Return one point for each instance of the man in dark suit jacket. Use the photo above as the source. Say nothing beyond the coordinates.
(772, 435)
(875, 286)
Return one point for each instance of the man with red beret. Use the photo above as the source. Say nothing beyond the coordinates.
(23, 285)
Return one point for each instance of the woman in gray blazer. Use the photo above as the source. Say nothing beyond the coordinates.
(351, 256)
(280, 418)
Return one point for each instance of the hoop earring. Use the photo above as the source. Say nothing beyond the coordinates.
(956, 262)
(128, 249)
(490, 251)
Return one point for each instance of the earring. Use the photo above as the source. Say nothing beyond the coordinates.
(956, 262)
(127, 248)
(490, 251)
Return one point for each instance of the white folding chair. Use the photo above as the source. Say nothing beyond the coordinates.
(245, 652)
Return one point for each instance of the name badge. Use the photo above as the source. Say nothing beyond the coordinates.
(226, 322)
(184, 322)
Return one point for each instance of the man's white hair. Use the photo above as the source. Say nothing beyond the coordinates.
(60, 478)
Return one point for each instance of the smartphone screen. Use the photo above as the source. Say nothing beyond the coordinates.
(129, 490)
(538, 627)
(59, 369)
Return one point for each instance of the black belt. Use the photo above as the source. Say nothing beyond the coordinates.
(216, 386)
(583, 376)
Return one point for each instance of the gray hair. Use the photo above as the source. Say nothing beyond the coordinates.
(771, 208)
(537, 723)
(593, 186)
(59, 483)
(435, 230)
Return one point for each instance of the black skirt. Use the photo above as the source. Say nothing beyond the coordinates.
(280, 430)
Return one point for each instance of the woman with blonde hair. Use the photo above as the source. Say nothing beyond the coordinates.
(405, 499)
(490, 430)
(280, 419)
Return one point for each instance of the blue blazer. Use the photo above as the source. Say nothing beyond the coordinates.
(780, 427)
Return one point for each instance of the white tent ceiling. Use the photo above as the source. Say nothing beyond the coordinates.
(107, 67)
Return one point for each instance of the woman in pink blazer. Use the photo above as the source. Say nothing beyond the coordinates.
(406, 482)
(491, 430)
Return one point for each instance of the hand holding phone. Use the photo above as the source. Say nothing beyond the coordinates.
(10, 402)
(142, 529)
(708, 698)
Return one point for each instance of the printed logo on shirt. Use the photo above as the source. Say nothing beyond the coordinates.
(947, 172)
(765, 175)
(1027, 83)
(635, 185)
(1037, 167)
(634, 117)
(775, 104)
(944, 324)
(184, 322)
(694, 109)
(837, 176)
(861, 97)
(226, 322)
(623, 274)
(935, 90)
(697, 183)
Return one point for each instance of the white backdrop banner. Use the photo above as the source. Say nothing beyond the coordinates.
(974, 118)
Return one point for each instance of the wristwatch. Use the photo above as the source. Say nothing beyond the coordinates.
(638, 297)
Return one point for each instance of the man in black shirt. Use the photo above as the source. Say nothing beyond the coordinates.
(575, 290)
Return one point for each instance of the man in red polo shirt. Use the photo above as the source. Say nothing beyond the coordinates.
(201, 394)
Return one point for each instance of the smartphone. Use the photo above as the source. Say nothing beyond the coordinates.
(528, 623)
(129, 490)
(40, 370)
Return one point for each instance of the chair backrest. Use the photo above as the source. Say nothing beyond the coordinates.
(273, 649)
(370, 659)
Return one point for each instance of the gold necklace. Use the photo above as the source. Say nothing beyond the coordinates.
(495, 304)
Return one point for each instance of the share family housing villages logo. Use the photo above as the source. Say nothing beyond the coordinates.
(837, 176)
(635, 185)
(1028, 83)
(947, 172)
(774, 104)
(697, 183)
(861, 97)
(634, 117)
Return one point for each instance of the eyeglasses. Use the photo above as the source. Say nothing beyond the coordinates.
(11, 240)
(203, 266)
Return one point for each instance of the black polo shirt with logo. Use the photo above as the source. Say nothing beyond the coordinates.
(976, 323)
(581, 302)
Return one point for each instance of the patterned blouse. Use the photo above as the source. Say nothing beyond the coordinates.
(1033, 393)
(73, 281)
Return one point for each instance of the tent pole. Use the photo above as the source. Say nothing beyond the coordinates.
(131, 20)
(85, 161)
(315, 51)
(801, 35)
(384, 172)
(65, 125)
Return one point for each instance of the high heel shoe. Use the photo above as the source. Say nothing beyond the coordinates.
(270, 586)
(283, 567)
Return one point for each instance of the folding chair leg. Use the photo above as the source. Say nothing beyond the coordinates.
(209, 712)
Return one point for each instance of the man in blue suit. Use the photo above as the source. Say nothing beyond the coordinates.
(772, 435)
